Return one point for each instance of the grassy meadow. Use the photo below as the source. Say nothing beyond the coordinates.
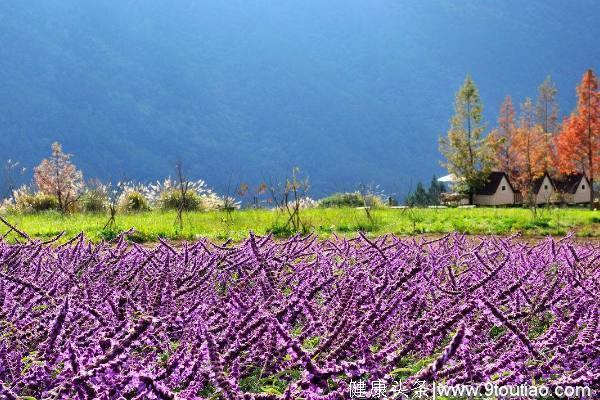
(218, 225)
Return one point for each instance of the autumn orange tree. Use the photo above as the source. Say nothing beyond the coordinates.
(57, 176)
(528, 151)
(502, 138)
(510, 140)
(579, 141)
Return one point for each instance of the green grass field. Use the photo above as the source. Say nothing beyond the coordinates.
(216, 225)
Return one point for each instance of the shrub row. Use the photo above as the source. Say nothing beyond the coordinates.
(137, 198)
(131, 199)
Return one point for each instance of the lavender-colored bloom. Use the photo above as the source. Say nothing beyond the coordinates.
(267, 319)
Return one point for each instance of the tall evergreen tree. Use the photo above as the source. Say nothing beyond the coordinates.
(419, 197)
(435, 190)
(547, 107)
(468, 153)
(547, 119)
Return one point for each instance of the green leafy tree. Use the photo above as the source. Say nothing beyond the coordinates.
(468, 153)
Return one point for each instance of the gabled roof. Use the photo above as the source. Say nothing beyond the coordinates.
(537, 183)
(493, 182)
(570, 183)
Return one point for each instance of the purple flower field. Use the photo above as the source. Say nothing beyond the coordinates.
(295, 319)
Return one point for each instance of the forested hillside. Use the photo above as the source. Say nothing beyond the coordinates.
(350, 91)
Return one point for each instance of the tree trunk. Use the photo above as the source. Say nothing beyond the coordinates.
(591, 161)
(590, 145)
(471, 196)
(591, 192)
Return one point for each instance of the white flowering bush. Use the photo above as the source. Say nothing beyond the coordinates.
(26, 200)
(166, 195)
(7, 206)
(307, 203)
(126, 197)
(95, 198)
(213, 202)
(230, 203)
(133, 197)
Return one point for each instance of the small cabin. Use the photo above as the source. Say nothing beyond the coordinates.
(497, 191)
(544, 190)
(574, 189)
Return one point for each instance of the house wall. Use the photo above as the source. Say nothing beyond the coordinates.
(545, 193)
(501, 197)
(582, 195)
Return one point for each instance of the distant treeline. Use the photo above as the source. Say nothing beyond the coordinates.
(59, 185)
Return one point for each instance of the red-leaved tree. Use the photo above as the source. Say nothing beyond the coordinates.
(579, 141)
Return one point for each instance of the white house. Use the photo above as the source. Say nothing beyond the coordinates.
(574, 189)
(544, 190)
(497, 191)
